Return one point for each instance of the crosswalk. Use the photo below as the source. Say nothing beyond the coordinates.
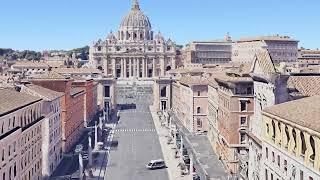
(135, 130)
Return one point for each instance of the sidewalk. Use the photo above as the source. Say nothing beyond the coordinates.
(205, 157)
(168, 150)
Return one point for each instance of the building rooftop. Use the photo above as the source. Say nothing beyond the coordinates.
(267, 38)
(193, 80)
(12, 100)
(76, 91)
(45, 93)
(51, 75)
(304, 85)
(30, 64)
(263, 67)
(304, 112)
(77, 71)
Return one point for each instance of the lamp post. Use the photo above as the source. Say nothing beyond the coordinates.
(80, 167)
(90, 151)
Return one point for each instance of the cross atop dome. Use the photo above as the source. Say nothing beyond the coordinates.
(135, 5)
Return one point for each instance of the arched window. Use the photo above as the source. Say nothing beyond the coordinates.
(15, 170)
(2, 128)
(14, 122)
(303, 144)
(198, 110)
(274, 130)
(313, 148)
(9, 124)
(10, 172)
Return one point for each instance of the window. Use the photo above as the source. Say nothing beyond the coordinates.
(310, 178)
(267, 153)
(199, 93)
(266, 174)
(243, 121)
(301, 175)
(285, 164)
(249, 90)
(243, 105)
(278, 160)
(273, 157)
(15, 170)
(107, 91)
(163, 92)
(199, 123)
(242, 138)
(198, 110)
(271, 176)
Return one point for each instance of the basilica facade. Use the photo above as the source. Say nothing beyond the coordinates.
(134, 51)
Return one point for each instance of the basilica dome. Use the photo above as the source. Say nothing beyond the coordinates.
(135, 18)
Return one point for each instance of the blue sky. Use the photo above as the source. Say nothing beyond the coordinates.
(67, 24)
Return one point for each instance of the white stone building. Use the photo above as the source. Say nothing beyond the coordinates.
(134, 51)
(280, 48)
(20, 136)
(291, 140)
(208, 52)
(51, 127)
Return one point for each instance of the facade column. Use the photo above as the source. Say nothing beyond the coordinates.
(114, 67)
(317, 153)
(125, 67)
(277, 138)
(173, 63)
(122, 68)
(130, 67)
(284, 140)
(105, 67)
(134, 67)
(138, 67)
(147, 68)
(153, 67)
(291, 143)
(143, 67)
(299, 143)
(162, 66)
(309, 150)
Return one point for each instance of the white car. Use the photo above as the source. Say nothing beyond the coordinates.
(156, 164)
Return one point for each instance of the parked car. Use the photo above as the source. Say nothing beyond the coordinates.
(78, 148)
(195, 176)
(156, 164)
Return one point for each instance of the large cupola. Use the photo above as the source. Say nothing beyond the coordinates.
(135, 25)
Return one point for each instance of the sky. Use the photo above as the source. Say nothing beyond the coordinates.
(68, 24)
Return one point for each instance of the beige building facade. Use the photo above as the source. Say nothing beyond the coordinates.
(280, 48)
(20, 136)
(208, 52)
(190, 102)
(291, 141)
(51, 127)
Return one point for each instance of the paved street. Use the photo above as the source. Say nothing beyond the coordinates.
(137, 143)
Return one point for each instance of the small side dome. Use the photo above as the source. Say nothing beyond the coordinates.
(111, 36)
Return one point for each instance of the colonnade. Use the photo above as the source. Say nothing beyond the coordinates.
(299, 142)
(135, 67)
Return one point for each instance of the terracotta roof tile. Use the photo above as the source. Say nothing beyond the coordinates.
(304, 112)
(11, 99)
(304, 85)
(45, 93)
(193, 80)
